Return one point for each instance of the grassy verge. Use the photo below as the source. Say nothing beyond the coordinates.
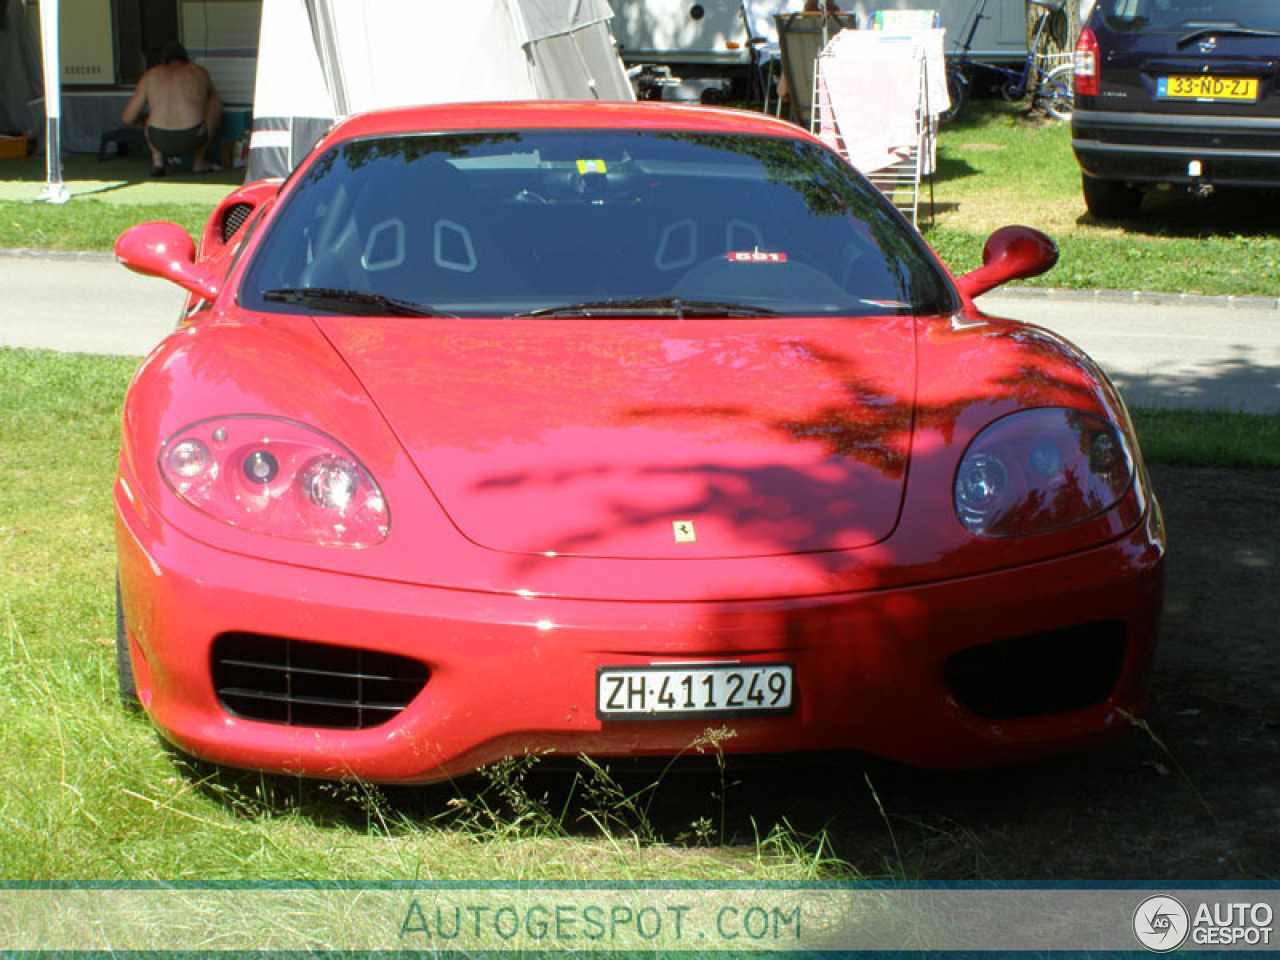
(1206, 438)
(88, 791)
(84, 224)
(107, 198)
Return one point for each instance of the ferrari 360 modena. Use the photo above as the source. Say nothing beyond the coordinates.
(584, 429)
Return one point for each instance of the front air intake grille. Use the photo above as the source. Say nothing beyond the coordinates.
(1040, 674)
(302, 684)
(234, 219)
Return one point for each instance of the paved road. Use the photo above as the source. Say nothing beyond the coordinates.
(83, 303)
(1162, 351)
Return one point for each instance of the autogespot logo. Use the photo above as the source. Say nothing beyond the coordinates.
(1161, 924)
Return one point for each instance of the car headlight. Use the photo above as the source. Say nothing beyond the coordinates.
(1041, 470)
(276, 477)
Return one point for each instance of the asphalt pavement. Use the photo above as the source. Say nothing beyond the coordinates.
(1161, 350)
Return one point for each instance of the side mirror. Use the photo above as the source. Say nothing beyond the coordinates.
(159, 249)
(1011, 253)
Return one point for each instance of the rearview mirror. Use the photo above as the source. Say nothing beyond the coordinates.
(159, 249)
(1011, 253)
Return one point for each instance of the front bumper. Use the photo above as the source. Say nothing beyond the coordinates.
(510, 674)
(1161, 148)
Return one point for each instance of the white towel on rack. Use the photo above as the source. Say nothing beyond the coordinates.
(874, 98)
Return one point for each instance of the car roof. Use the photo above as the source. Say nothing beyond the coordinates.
(561, 114)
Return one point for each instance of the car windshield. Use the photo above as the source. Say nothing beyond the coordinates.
(590, 223)
(1185, 15)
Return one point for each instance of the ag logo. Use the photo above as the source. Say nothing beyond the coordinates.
(1161, 924)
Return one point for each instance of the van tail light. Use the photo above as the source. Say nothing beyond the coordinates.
(1087, 81)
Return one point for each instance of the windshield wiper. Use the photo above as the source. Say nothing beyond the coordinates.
(359, 302)
(1203, 32)
(652, 306)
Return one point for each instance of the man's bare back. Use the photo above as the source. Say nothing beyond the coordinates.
(182, 107)
(175, 95)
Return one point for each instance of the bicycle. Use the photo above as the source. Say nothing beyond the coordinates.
(1053, 73)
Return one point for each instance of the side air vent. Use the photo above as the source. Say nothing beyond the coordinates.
(234, 219)
(302, 684)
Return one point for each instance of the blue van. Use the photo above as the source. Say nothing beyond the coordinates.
(1176, 92)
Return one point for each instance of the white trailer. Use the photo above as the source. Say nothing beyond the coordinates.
(705, 42)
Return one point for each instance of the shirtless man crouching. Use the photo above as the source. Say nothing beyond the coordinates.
(183, 109)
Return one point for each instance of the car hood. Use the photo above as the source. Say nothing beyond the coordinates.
(649, 439)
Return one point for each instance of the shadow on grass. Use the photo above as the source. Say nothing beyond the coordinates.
(118, 170)
(1178, 213)
(951, 167)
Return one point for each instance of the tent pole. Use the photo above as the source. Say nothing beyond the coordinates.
(54, 190)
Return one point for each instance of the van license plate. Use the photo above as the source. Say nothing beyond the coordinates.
(1239, 89)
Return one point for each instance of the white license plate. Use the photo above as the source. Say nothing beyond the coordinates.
(629, 693)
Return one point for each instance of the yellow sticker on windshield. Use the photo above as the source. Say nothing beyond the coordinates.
(592, 166)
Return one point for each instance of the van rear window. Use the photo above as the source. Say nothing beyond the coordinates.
(1185, 15)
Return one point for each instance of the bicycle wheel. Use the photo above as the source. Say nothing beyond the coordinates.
(1013, 89)
(957, 93)
(1057, 91)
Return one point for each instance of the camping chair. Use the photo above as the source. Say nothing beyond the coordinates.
(801, 37)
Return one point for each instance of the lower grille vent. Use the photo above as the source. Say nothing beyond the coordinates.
(1040, 674)
(302, 684)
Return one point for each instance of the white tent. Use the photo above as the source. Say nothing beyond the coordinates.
(20, 80)
(324, 59)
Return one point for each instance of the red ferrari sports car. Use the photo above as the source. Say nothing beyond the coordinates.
(586, 428)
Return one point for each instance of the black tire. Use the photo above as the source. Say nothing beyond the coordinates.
(958, 93)
(124, 662)
(1110, 199)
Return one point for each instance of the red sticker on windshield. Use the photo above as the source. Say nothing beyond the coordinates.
(756, 256)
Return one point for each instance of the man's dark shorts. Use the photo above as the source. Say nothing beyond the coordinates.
(173, 143)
